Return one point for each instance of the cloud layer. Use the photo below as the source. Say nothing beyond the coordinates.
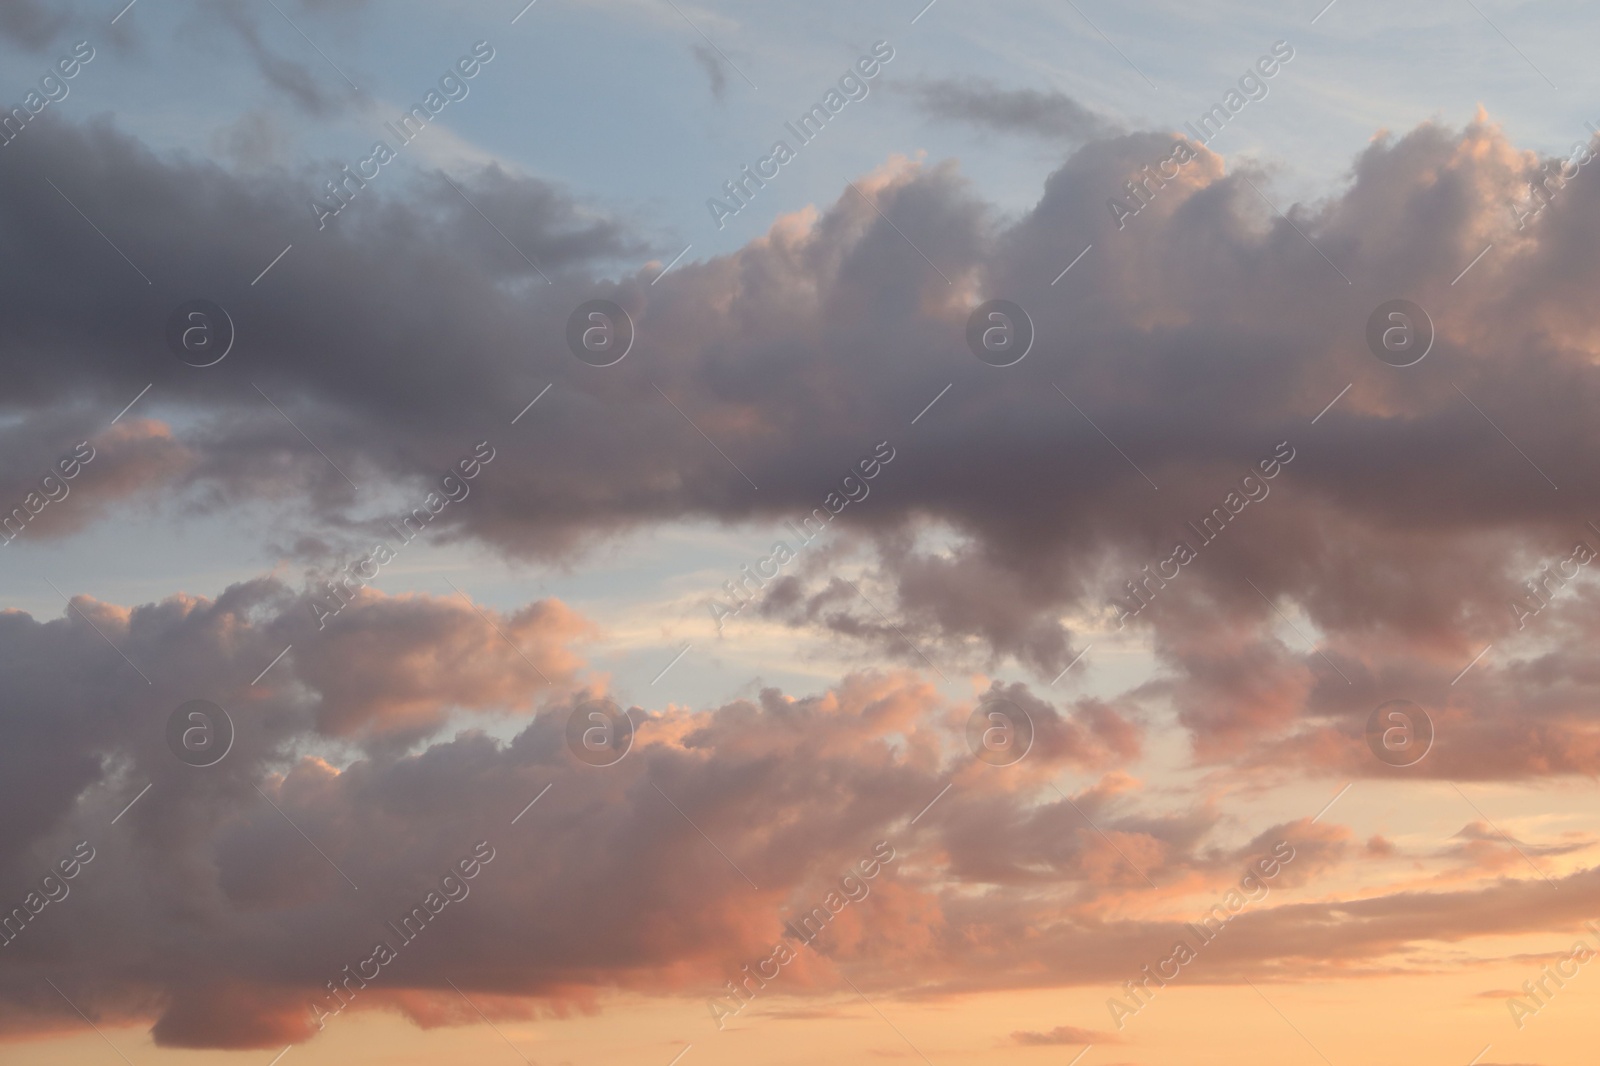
(1205, 333)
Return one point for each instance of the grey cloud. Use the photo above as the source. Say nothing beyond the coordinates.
(33, 24)
(1197, 338)
(711, 63)
(1063, 1034)
(1047, 114)
(252, 922)
(310, 90)
(255, 140)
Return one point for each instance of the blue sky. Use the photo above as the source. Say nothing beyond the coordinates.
(665, 143)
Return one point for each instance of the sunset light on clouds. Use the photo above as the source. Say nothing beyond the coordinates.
(635, 532)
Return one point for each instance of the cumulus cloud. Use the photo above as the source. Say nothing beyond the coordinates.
(1399, 531)
(1204, 334)
(215, 858)
(266, 874)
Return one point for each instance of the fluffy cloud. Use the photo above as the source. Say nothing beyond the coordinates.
(212, 863)
(263, 876)
(1197, 338)
(1399, 533)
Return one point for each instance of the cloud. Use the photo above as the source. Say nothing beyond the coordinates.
(116, 469)
(309, 92)
(1399, 532)
(205, 860)
(33, 25)
(711, 63)
(340, 776)
(1050, 115)
(380, 738)
(1063, 1034)
(253, 141)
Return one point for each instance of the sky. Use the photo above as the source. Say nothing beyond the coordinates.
(657, 532)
